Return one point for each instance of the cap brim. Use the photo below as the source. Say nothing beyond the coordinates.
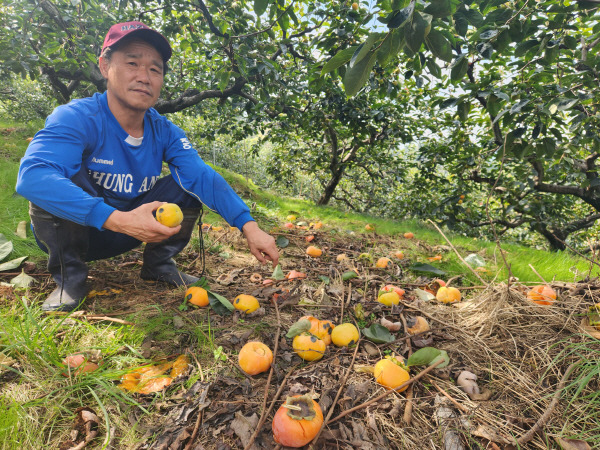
(155, 39)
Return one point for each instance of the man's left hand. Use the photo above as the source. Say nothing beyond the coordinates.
(261, 244)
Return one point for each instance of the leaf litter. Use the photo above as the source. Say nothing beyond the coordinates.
(509, 346)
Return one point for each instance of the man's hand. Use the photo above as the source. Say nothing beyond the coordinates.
(261, 244)
(140, 223)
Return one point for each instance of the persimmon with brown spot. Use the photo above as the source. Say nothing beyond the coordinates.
(196, 296)
(169, 215)
(542, 295)
(246, 303)
(255, 357)
(415, 325)
(320, 328)
(309, 347)
(448, 295)
(297, 421)
(313, 251)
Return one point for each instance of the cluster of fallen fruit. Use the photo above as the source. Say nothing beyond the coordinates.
(300, 418)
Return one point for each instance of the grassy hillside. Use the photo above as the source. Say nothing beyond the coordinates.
(271, 209)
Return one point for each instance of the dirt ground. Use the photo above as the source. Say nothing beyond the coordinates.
(513, 346)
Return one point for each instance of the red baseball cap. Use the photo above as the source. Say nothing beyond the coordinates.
(141, 31)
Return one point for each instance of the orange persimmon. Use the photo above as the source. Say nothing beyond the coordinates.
(255, 357)
(542, 295)
(297, 421)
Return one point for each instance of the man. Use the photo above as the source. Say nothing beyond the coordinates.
(92, 175)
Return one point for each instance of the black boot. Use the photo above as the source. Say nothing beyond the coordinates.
(158, 257)
(66, 243)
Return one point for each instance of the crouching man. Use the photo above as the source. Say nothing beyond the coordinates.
(92, 175)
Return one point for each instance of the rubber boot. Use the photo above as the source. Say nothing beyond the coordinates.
(66, 243)
(158, 257)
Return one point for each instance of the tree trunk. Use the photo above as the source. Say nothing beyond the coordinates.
(330, 188)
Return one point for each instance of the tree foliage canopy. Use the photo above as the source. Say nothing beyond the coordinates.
(498, 99)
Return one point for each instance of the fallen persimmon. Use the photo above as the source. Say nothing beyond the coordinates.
(542, 295)
(448, 295)
(197, 296)
(391, 288)
(409, 235)
(294, 274)
(297, 421)
(389, 298)
(313, 251)
(246, 303)
(308, 347)
(383, 262)
(320, 328)
(344, 335)
(255, 357)
(391, 375)
(416, 325)
(341, 257)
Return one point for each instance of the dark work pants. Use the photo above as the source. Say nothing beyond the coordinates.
(106, 243)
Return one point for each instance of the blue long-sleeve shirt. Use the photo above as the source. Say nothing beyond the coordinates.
(85, 133)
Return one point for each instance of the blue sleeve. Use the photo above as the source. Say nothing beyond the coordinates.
(53, 157)
(199, 179)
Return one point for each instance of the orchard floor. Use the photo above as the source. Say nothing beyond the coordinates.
(519, 351)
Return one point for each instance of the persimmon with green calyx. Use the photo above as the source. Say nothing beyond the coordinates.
(309, 347)
(255, 357)
(345, 335)
(388, 373)
(297, 421)
(320, 328)
(542, 295)
(391, 288)
(389, 298)
(196, 296)
(246, 303)
(415, 325)
(169, 215)
(448, 295)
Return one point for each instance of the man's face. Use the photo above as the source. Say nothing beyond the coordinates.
(134, 75)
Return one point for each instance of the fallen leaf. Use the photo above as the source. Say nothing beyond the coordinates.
(467, 381)
(573, 444)
(22, 229)
(22, 280)
(244, 427)
(424, 295)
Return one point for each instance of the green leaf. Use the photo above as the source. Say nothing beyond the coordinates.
(444, 356)
(363, 49)
(260, 6)
(519, 106)
(463, 109)
(219, 304)
(299, 327)
(565, 103)
(474, 17)
(434, 69)
(385, 50)
(349, 275)
(358, 75)
(439, 8)
(460, 23)
(459, 68)
(278, 273)
(339, 59)
(524, 47)
(282, 241)
(12, 264)
(398, 18)
(414, 32)
(378, 334)
(6, 247)
(426, 268)
(202, 282)
(324, 279)
(223, 79)
(439, 45)
(423, 357)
